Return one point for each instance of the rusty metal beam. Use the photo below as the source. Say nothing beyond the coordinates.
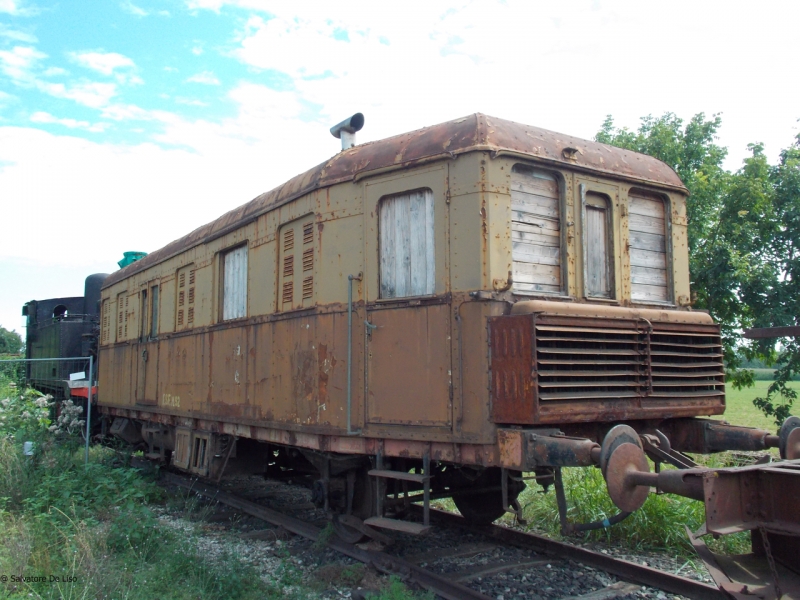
(764, 333)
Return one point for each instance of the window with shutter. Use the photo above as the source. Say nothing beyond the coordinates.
(407, 257)
(184, 312)
(598, 258)
(154, 311)
(536, 231)
(647, 228)
(234, 278)
(296, 262)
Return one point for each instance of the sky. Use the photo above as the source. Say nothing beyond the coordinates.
(127, 124)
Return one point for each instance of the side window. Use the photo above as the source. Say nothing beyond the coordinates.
(647, 227)
(144, 326)
(407, 257)
(535, 230)
(185, 292)
(154, 312)
(598, 244)
(296, 264)
(234, 279)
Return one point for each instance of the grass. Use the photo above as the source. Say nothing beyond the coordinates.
(740, 409)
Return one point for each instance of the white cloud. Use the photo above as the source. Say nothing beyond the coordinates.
(44, 117)
(18, 36)
(14, 7)
(19, 62)
(197, 50)
(102, 62)
(205, 77)
(54, 71)
(91, 94)
(131, 8)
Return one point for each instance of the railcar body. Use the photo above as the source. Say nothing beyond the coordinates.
(470, 300)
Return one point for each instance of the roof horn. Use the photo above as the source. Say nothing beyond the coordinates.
(346, 130)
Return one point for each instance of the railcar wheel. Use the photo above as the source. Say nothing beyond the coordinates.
(485, 507)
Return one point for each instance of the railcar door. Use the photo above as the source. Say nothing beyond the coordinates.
(147, 372)
(408, 331)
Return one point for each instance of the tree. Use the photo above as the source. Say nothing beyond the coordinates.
(10, 342)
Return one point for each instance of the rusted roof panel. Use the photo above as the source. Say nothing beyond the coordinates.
(475, 132)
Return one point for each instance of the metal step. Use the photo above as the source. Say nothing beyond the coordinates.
(388, 474)
(394, 524)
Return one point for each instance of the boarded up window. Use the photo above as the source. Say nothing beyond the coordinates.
(535, 230)
(647, 229)
(598, 245)
(406, 245)
(296, 264)
(234, 293)
(184, 313)
(154, 311)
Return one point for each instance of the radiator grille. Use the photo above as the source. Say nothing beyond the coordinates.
(626, 359)
(549, 368)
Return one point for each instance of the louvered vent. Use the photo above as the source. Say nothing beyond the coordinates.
(288, 292)
(548, 367)
(190, 316)
(288, 265)
(288, 240)
(686, 364)
(308, 259)
(308, 233)
(308, 288)
(574, 362)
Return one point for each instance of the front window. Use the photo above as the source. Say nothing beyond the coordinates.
(647, 226)
(535, 231)
(407, 257)
(598, 258)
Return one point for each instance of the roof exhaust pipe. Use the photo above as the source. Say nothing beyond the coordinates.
(346, 130)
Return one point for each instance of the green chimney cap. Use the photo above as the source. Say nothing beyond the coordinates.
(130, 257)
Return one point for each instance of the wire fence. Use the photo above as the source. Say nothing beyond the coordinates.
(64, 379)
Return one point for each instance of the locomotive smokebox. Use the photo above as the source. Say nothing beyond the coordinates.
(346, 130)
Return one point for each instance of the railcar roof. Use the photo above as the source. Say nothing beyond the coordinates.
(471, 133)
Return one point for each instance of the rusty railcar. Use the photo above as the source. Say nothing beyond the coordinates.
(434, 314)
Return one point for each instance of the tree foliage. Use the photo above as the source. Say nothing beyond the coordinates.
(10, 342)
(744, 239)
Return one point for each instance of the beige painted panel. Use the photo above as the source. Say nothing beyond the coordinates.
(183, 383)
(166, 308)
(467, 243)
(228, 364)
(341, 253)
(409, 366)
(262, 279)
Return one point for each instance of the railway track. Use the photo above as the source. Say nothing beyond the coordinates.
(537, 554)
